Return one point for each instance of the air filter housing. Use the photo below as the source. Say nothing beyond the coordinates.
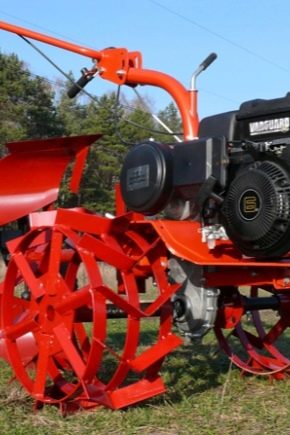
(153, 173)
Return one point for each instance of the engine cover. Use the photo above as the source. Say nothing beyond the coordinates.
(146, 177)
(256, 210)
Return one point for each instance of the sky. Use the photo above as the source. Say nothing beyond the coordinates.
(250, 37)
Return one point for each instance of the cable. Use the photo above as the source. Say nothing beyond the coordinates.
(124, 106)
(67, 76)
(40, 27)
(79, 42)
(92, 97)
(116, 119)
(159, 121)
(218, 35)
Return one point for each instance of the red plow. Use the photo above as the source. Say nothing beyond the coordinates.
(196, 223)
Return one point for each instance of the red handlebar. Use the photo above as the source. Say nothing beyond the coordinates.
(122, 67)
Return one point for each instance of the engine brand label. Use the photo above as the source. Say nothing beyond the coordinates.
(278, 125)
(250, 205)
(138, 177)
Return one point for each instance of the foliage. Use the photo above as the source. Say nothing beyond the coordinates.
(120, 128)
(29, 109)
(26, 103)
(171, 118)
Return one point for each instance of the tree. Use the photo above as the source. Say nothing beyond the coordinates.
(70, 112)
(106, 155)
(120, 128)
(170, 116)
(139, 124)
(39, 113)
(12, 77)
(26, 103)
(28, 108)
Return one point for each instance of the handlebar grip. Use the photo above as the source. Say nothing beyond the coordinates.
(78, 86)
(210, 59)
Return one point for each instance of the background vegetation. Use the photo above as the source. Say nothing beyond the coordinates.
(32, 107)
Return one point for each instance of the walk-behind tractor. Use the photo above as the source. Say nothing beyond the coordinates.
(200, 241)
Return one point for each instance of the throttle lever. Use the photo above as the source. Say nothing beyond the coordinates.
(86, 77)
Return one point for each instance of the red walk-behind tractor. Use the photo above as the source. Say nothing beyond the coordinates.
(200, 241)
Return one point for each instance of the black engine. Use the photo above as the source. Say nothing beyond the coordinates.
(236, 177)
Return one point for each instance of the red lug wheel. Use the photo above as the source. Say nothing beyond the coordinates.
(39, 301)
(253, 342)
(75, 356)
(128, 353)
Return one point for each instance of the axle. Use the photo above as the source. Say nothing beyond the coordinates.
(114, 312)
(262, 303)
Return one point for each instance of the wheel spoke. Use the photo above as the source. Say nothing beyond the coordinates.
(64, 338)
(275, 331)
(107, 253)
(31, 281)
(119, 301)
(21, 328)
(75, 300)
(41, 367)
(55, 254)
(268, 362)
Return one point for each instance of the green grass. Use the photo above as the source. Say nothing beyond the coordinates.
(205, 396)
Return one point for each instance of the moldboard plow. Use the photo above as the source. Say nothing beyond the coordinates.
(199, 220)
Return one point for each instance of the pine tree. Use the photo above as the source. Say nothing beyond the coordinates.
(106, 155)
(170, 116)
(70, 112)
(27, 107)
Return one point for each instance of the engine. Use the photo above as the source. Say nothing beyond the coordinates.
(235, 178)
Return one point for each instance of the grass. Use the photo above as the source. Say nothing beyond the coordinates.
(206, 395)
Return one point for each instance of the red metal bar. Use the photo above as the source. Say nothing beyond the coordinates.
(84, 51)
(177, 91)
